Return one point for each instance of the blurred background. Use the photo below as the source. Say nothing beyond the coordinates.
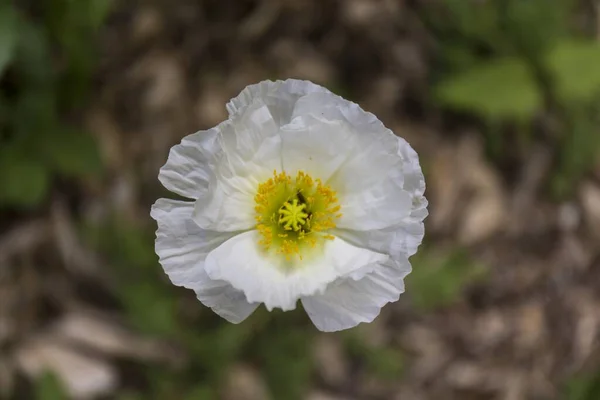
(501, 99)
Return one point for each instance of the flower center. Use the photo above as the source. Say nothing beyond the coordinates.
(291, 215)
(294, 215)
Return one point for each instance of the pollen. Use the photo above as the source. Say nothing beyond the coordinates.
(294, 215)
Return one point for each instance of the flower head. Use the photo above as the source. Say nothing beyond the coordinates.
(299, 195)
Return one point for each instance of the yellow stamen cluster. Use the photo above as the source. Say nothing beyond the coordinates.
(294, 214)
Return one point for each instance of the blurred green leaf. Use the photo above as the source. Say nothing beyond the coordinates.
(385, 363)
(534, 26)
(502, 88)
(128, 395)
(579, 148)
(23, 181)
(9, 34)
(72, 153)
(33, 60)
(201, 392)
(583, 388)
(48, 387)
(287, 363)
(149, 309)
(576, 68)
(98, 11)
(34, 116)
(438, 280)
(474, 19)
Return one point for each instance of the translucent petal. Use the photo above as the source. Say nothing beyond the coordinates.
(399, 240)
(319, 148)
(265, 279)
(182, 248)
(403, 237)
(223, 299)
(372, 152)
(370, 180)
(250, 152)
(348, 302)
(377, 207)
(279, 96)
(187, 171)
(228, 206)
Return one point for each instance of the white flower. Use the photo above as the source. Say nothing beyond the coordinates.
(299, 195)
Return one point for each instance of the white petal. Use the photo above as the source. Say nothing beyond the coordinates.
(348, 302)
(279, 96)
(240, 262)
(335, 108)
(399, 240)
(404, 237)
(380, 206)
(228, 206)
(370, 180)
(182, 248)
(223, 299)
(317, 147)
(188, 168)
(381, 182)
(372, 152)
(413, 175)
(251, 151)
(243, 141)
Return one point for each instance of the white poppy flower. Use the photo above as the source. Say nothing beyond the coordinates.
(299, 195)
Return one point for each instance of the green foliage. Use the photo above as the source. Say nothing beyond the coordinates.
(438, 279)
(23, 181)
(512, 61)
(385, 363)
(201, 392)
(500, 88)
(8, 34)
(48, 387)
(128, 395)
(46, 61)
(72, 153)
(149, 303)
(287, 363)
(575, 65)
(580, 149)
(585, 387)
(533, 26)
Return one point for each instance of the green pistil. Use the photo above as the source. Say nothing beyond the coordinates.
(292, 216)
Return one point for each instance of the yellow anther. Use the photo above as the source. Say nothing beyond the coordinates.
(294, 215)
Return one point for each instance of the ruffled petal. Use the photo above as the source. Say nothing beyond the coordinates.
(188, 168)
(404, 237)
(228, 206)
(223, 299)
(399, 240)
(279, 96)
(414, 181)
(265, 279)
(378, 207)
(250, 152)
(372, 150)
(348, 302)
(317, 147)
(182, 248)
(370, 180)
